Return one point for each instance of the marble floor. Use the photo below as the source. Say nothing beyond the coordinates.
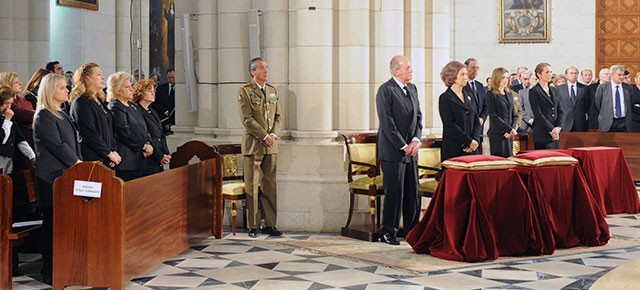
(243, 263)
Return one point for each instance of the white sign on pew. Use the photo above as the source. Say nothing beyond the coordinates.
(87, 188)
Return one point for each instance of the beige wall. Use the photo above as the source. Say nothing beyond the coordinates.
(475, 34)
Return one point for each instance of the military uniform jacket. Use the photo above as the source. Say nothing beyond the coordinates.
(260, 115)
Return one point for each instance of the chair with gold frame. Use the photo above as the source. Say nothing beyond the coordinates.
(233, 180)
(365, 178)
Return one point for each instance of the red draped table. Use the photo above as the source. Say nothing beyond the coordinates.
(568, 213)
(609, 178)
(478, 215)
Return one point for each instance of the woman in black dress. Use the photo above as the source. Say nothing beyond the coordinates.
(461, 126)
(132, 137)
(503, 116)
(144, 95)
(92, 117)
(547, 113)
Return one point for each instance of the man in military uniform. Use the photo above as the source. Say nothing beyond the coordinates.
(261, 117)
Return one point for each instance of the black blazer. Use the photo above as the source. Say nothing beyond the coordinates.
(480, 100)
(502, 113)
(131, 134)
(57, 148)
(635, 107)
(546, 111)
(460, 123)
(400, 120)
(165, 103)
(575, 112)
(95, 125)
(158, 138)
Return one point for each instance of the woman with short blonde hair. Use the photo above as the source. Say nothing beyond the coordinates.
(132, 137)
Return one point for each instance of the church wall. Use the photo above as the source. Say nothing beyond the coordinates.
(475, 34)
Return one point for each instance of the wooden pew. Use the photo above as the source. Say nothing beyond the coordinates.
(134, 226)
(627, 141)
(22, 183)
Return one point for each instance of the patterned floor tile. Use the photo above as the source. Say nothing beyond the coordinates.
(343, 278)
(269, 284)
(262, 257)
(560, 268)
(301, 267)
(240, 274)
(497, 274)
(552, 284)
(462, 282)
(206, 263)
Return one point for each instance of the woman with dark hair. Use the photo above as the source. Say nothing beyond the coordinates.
(57, 149)
(132, 137)
(500, 105)
(546, 109)
(144, 95)
(461, 126)
(92, 117)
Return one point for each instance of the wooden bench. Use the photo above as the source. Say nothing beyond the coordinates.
(18, 188)
(627, 141)
(133, 226)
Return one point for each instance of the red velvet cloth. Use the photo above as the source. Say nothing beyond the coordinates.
(478, 215)
(609, 178)
(568, 213)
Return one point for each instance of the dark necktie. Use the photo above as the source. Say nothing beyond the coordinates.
(573, 95)
(170, 89)
(263, 92)
(618, 104)
(405, 90)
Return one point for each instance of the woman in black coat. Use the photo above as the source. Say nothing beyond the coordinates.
(503, 116)
(92, 117)
(57, 149)
(144, 95)
(461, 126)
(130, 129)
(547, 113)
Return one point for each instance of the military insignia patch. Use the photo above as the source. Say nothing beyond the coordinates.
(255, 98)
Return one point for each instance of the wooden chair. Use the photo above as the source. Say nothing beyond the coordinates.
(428, 167)
(18, 188)
(233, 186)
(364, 177)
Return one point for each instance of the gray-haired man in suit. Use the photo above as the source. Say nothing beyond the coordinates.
(613, 103)
(398, 143)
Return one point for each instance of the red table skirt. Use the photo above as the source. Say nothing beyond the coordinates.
(609, 178)
(569, 214)
(478, 215)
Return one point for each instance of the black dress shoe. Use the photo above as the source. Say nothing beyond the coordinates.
(388, 238)
(253, 233)
(272, 231)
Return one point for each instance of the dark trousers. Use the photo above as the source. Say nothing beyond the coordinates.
(618, 125)
(127, 175)
(46, 234)
(400, 194)
(550, 145)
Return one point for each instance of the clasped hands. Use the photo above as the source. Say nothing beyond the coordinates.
(270, 140)
(555, 133)
(510, 134)
(412, 149)
(472, 147)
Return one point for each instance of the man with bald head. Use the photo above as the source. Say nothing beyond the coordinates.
(590, 95)
(398, 142)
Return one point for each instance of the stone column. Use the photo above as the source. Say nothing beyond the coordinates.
(388, 40)
(353, 97)
(437, 55)
(415, 31)
(311, 69)
(233, 58)
(207, 47)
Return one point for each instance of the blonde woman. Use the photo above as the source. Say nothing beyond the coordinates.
(132, 137)
(91, 116)
(144, 96)
(22, 119)
(57, 149)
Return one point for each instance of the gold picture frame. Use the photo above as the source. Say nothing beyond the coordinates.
(84, 4)
(524, 21)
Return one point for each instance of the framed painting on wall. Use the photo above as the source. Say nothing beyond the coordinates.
(85, 4)
(524, 21)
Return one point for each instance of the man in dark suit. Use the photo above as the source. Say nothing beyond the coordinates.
(526, 125)
(398, 142)
(166, 101)
(573, 104)
(590, 95)
(613, 103)
(476, 89)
